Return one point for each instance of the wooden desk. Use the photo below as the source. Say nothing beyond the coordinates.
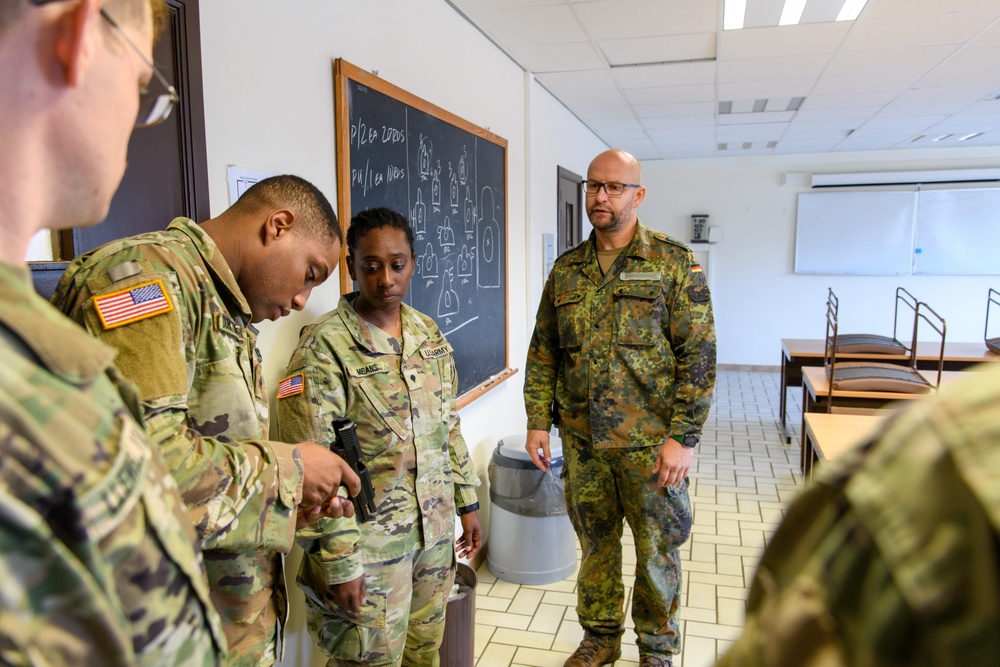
(829, 435)
(816, 388)
(797, 353)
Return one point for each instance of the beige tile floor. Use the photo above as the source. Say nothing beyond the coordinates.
(743, 477)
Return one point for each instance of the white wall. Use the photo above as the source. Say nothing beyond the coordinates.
(268, 78)
(758, 298)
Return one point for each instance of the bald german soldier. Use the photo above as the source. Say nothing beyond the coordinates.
(623, 354)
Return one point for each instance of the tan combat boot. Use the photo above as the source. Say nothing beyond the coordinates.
(591, 654)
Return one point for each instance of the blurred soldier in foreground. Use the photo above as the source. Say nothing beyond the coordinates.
(99, 563)
(892, 556)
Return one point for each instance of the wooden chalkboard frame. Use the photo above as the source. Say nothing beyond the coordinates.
(344, 73)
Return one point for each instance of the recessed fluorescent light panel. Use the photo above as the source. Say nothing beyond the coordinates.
(764, 13)
(791, 13)
(851, 10)
(734, 13)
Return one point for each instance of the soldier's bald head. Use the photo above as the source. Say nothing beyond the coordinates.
(623, 159)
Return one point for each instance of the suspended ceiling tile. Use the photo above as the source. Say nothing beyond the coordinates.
(755, 118)
(847, 100)
(789, 40)
(688, 121)
(807, 66)
(772, 130)
(897, 8)
(915, 31)
(705, 109)
(914, 61)
(907, 124)
(540, 58)
(949, 77)
(623, 19)
(670, 95)
(471, 5)
(863, 83)
(756, 90)
(545, 24)
(559, 82)
(808, 113)
(594, 98)
(659, 49)
(676, 74)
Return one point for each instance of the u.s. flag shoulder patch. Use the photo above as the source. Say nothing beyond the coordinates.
(132, 304)
(291, 385)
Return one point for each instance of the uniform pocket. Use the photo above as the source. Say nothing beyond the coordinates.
(571, 311)
(346, 636)
(637, 313)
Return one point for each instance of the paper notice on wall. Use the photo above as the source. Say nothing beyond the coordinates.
(241, 179)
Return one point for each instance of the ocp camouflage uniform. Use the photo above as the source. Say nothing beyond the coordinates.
(624, 361)
(199, 376)
(98, 564)
(891, 556)
(403, 404)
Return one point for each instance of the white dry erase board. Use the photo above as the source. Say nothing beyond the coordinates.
(952, 231)
(854, 233)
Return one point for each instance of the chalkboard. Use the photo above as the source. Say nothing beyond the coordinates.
(449, 178)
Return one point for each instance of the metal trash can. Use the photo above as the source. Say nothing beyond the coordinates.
(531, 539)
(458, 647)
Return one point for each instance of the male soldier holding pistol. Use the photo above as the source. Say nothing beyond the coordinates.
(623, 356)
(100, 564)
(178, 305)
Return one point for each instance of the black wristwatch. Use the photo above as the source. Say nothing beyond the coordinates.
(690, 440)
(474, 507)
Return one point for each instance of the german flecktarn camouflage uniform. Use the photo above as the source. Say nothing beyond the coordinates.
(891, 556)
(98, 562)
(184, 336)
(402, 400)
(624, 361)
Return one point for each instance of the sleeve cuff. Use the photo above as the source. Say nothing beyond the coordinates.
(465, 496)
(289, 472)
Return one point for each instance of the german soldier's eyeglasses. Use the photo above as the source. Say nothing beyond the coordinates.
(153, 109)
(613, 189)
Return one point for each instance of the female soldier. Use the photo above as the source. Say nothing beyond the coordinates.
(376, 592)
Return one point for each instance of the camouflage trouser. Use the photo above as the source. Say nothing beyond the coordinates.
(603, 486)
(247, 589)
(402, 621)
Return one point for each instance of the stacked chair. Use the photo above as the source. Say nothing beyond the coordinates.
(899, 374)
(992, 343)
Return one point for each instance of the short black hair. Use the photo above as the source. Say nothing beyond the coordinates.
(311, 207)
(376, 218)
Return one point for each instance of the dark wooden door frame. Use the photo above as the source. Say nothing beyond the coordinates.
(569, 209)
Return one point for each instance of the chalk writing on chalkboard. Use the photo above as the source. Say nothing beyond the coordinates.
(449, 178)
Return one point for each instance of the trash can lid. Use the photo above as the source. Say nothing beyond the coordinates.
(512, 446)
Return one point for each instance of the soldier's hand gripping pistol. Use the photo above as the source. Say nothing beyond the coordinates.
(346, 446)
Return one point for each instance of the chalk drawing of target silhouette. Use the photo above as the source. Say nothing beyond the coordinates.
(488, 242)
(448, 300)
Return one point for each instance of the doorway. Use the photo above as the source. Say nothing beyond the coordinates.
(570, 213)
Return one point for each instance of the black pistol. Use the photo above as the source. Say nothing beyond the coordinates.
(346, 446)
